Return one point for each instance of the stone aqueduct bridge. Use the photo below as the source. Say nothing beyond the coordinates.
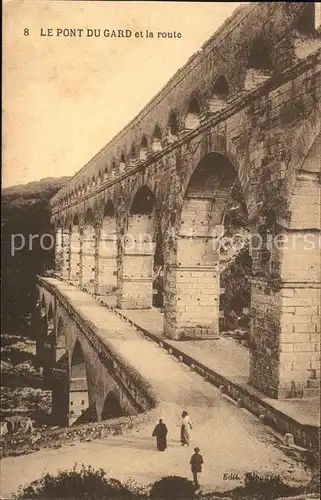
(244, 112)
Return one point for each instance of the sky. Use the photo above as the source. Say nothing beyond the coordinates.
(65, 97)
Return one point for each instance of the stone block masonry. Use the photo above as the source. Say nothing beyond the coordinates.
(243, 115)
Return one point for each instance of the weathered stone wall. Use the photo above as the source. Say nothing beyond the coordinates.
(265, 128)
(225, 53)
(78, 384)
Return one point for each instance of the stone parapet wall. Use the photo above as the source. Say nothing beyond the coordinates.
(277, 25)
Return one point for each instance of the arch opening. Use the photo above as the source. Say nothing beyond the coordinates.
(192, 119)
(109, 209)
(157, 139)
(173, 125)
(74, 272)
(135, 277)
(143, 148)
(220, 94)
(88, 252)
(208, 244)
(260, 56)
(66, 244)
(50, 322)
(43, 306)
(112, 407)
(259, 64)
(107, 252)
(48, 353)
(78, 386)
(158, 281)
(89, 218)
(133, 154)
(309, 19)
(75, 221)
(285, 245)
(143, 203)
(59, 256)
(61, 339)
(122, 163)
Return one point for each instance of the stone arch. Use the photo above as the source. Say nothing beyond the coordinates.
(157, 139)
(194, 256)
(48, 347)
(112, 407)
(133, 153)
(65, 248)
(75, 249)
(88, 251)
(59, 256)
(220, 94)
(221, 87)
(192, 119)
(60, 387)
(143, 151)
(306, 22)
(138, 248)
(43, 306)
(78, 385)
(259, 55)
(122, 162)
(61, 337)
(259, 63)
(302, 244)
(107, 252)
(50, 321)
(42, 328)
(143, 201)
(286, 337)
(304, 139)
(173, 124)
(159, 270)
(216, 145)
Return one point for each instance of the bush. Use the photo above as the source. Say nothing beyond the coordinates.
(259, 487)
(79, 484)
(172, 487)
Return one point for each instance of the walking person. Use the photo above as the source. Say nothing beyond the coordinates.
(196, 465)
(160, 433)
(186, 426)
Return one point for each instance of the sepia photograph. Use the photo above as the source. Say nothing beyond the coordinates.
(161, 250)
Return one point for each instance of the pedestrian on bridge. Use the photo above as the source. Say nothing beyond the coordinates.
(196, 465)
(186, 426)
(160, 432)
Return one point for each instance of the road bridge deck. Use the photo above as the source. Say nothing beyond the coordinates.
(225, 357)
(230, 438)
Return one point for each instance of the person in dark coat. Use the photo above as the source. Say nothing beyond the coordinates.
(160, 433)
(196, 465)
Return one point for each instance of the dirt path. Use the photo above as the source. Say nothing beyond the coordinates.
(231, 441)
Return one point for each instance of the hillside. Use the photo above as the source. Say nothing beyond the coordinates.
(23, 196)
(25, 212)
